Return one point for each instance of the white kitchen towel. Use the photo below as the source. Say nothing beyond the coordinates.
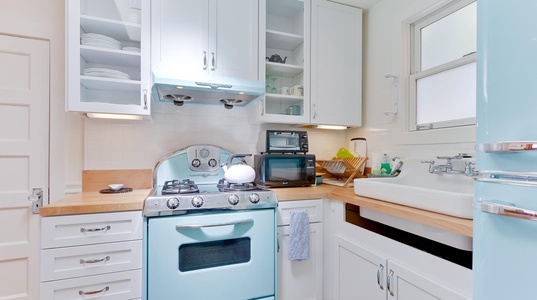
(299, 236)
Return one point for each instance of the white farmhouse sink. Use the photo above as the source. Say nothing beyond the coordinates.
(450, 194)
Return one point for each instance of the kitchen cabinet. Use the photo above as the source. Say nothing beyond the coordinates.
(211, 40)
(285, 35)
(366, 275)
(92, 254)
(108, 56)
(322, 42)
(336, 64)
(367, 265)
(300, 280)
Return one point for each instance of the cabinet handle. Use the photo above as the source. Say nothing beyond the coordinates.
(277, 243)
(205, 60)
(389, 283)
(379, 271)
(314, 111)
(105, 289)
(197, 226)
(213, 61)
(94, 261)
(94, 229)
(145, 99)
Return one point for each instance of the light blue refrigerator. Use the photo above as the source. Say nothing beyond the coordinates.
(505, 202)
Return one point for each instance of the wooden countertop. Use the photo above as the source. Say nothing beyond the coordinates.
(94, 202)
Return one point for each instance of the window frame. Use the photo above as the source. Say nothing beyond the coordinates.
(415, 66)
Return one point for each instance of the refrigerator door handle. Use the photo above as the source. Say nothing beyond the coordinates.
(513, 146)
(495, 208)
(506, 177)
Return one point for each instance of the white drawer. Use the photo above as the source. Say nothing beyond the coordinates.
(89, 229)
(313, 207)
(70, 262)
(120, 286)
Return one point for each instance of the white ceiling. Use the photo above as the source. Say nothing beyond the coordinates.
(365, 4)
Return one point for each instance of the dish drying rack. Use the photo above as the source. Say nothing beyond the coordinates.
(344, 168)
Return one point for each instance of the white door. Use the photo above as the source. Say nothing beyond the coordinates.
(24, 115)
(234, 39)
(360, 273)
(179, 37)
(406, 284)
(300, 280)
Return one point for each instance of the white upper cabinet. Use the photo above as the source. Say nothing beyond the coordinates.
(205, 39)
(108, 61)
(336, 64)
(319, 52)
(285, 47)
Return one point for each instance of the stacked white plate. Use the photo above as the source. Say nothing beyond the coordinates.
(133, 49)
(99, 40)
(108, 73)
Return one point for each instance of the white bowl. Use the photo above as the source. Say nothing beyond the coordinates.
(116, 186)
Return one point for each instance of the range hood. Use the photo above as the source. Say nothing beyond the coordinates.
(228, 92)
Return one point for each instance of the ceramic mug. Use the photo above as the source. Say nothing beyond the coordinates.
(296, 90)
(284, 90)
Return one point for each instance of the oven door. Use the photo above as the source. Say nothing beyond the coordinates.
(215, 255)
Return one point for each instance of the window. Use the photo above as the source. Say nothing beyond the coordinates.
(443, 67)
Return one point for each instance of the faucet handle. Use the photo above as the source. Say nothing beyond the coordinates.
(427, 162)
(450, 157)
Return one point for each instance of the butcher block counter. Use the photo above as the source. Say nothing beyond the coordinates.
(95, 202)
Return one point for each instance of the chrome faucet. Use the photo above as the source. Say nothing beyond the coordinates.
(469, 169)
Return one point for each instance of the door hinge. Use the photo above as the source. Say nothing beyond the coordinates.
(36, 198)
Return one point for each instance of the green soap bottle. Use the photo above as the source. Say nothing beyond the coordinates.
(385, 168)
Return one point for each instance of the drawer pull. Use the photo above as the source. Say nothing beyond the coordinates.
(94, 229)
(106, 289)
(94, 261)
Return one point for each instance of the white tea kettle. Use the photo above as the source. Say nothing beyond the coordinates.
(238, 173)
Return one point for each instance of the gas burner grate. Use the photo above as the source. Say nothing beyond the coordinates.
(175, 186)
(224, 186)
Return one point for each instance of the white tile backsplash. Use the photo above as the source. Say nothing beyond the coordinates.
(120, 144)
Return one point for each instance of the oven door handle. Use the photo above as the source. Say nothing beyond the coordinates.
(191, 226)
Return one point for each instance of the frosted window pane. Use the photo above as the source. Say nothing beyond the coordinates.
(446, 96)
(449, 38)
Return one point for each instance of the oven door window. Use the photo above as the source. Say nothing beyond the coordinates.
(285, 169)
(213, 254)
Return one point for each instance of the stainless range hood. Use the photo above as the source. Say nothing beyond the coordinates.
(229, 92)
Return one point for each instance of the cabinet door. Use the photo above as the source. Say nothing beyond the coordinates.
(123, 86)
(234, 39)
(359, 273)
(179, 37)
(300, 280)
(336, 64)
(405, 284)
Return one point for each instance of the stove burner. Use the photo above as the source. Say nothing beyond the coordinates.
(175, 186)
(224, 186)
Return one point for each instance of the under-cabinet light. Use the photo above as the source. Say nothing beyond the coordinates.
(113, 116)
(333, 127)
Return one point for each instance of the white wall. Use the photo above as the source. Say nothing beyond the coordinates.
(115, 144)
(385, 52)
(111, 144)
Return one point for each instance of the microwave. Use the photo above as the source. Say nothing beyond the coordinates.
(284, 170)
(287, 141)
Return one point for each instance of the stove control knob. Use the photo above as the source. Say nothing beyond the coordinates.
(172, 203)
(197, 201)
(254, 198)
(196, 163)
(233, 199)
(212, 162)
